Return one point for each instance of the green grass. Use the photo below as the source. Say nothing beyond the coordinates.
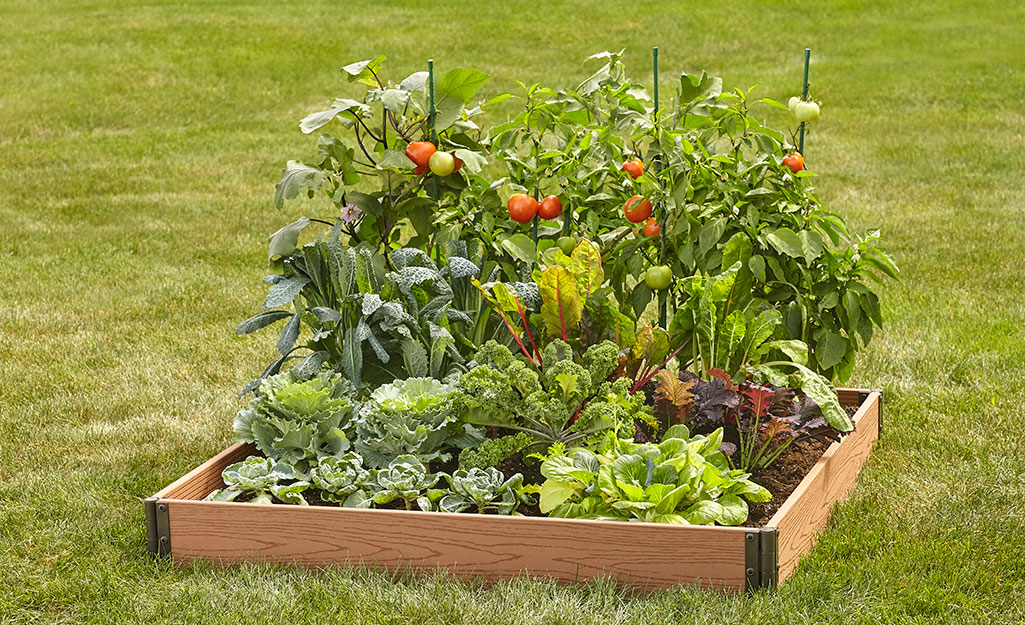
(139, 146)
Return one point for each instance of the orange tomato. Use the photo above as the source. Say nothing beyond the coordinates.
(637, 209)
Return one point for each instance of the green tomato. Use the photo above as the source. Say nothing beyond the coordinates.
(567, 244)
(806, 111)
(792, 104)
(658, 277)
(442, 163)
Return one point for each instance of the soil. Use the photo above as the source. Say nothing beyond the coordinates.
(782, 478)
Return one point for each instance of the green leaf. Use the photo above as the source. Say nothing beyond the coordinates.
(284, 241)
(414, 82)
(796, 350)
(815, 386)
(473, 161)
(283, 291)
(294, 179)
(289, 334)
(394, 100)
(363, 71)
(811, 245)
(395, 160)
(555, 493)
(730, 334)
(313, 121)
(737, 249)
(261, 320)
(455, 89)
(734, 510)
(830, 349)
(786, 242)
(710, 234)
(757, 266)
(560, 307)
(521, 247)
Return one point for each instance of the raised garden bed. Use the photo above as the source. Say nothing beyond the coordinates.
(646, 555)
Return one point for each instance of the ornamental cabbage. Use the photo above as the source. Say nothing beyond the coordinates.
(342, 479)
(405, 478)
(262, 477)
(298, 422)
(487, 490)
(410, 417)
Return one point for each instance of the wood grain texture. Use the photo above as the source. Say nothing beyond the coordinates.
(806, 512)
(643, 555)
(495, 547)
(206, 478)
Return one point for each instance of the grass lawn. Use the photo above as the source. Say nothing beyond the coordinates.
(139, 146)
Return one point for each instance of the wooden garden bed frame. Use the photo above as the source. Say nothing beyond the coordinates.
(646, 555)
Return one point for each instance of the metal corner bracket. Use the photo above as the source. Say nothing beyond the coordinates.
(863, 395)
(158, 527)
(761, 559)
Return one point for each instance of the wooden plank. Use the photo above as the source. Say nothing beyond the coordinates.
(205, 478)
(646, 555)
(806, 512)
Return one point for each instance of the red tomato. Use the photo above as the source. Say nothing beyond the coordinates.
(421, 169)
(459, 163)
(794, 161)
(550, 208)
(420, 152)
(522, 207)
(637, 209)
(634, 167)
(651, 228)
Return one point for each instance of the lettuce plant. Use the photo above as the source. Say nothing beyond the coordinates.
(405, 478)
(298, 422)
(410, 417)
(683, 480)
(264, 479)
(342, 479)
(487, 490)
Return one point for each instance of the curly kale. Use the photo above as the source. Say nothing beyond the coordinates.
(554, 405)
(493, 451)
(298, 422)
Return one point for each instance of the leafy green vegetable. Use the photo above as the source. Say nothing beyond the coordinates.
(342, 479)
(566, 402)
(298, 422)
(493, 451)
(412, 417)
(682, 480)
(406, 479)
(485, 489)
(262, 478)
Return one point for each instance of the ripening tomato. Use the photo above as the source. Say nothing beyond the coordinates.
(550, 208)
(442, 163)
(420, 152)
(658, 277)
(651, 228)
(459, 163)
(522, 207)
(567, 244)
(806, 111)
(637, 209)
(634, 167)
(794, 161)
(421, 169)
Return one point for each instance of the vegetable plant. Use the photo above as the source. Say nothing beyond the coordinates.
(342, 479)
(484, 490)
(683, 480)
(263, 479)
(405, 479)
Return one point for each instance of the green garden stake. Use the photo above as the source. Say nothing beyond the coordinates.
(662, 207)
(434, 140)
(804, 95)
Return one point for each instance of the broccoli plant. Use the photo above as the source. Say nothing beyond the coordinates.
(298, 422)
(485, 489)
(683, 480)
(405, 478)
(410, 417)
(263, 479)
(342, 479)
